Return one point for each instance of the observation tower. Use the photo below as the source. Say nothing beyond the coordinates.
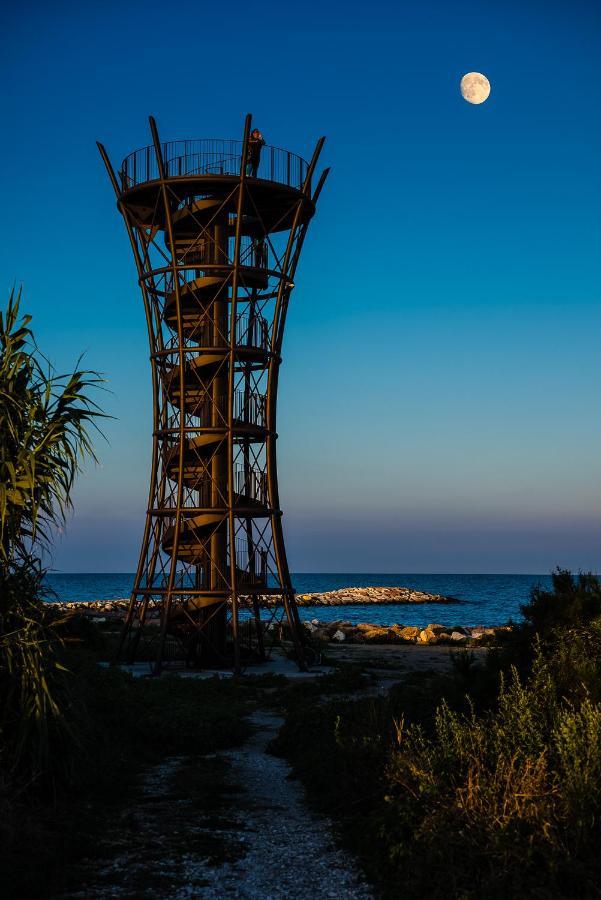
(216, 242)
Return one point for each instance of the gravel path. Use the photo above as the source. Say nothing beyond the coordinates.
(266, 844)
(290, 851)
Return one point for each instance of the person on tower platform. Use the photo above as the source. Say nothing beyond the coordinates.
(260, 253)
(253, 152)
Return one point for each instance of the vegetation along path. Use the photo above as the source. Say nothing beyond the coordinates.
(231, 824)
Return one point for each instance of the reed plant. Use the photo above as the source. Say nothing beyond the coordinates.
(45, 421)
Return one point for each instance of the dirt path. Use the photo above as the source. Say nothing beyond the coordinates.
(290, 851)
(228, 825)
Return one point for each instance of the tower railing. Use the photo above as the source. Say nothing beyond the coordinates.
(250, 483)
(252, 564)
(210, 156)
(253, 253)
(251, 331)
(249, 409)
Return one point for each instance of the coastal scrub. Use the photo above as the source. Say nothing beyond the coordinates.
(483, 784)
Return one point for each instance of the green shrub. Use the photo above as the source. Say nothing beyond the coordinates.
(505, 804)
(486, 783)
(573, 602)
(576, 742)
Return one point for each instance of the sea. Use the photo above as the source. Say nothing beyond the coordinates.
(482, 599)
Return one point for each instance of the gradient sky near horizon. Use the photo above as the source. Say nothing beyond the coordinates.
(439, 397)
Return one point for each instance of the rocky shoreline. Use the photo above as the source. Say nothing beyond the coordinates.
(366, 633)
(340, 630)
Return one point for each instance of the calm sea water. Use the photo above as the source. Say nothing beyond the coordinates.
(485, 599)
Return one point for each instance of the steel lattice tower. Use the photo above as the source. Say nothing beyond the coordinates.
(216, 248)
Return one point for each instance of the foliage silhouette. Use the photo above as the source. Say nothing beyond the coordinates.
(44, 437)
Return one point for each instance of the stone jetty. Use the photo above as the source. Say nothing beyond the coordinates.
(371, 595)
(368, 596)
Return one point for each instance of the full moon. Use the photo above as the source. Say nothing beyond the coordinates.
(475, 87)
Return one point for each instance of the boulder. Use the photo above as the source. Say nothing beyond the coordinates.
(479, 632)
(378, 635)
(399, 634)
(339, 636)
(409, 633)
(435, 629)
(458, 636)
(427, 637)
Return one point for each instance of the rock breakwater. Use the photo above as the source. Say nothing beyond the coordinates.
(371, 595)
(343, 597)
(367, 633)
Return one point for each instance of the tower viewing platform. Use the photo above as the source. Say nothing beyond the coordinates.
(208, 157)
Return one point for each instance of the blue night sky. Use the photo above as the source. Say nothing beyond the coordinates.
(439, 398)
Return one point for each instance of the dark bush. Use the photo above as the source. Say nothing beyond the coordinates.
(38, 734)
(573, 601)
(483, 784)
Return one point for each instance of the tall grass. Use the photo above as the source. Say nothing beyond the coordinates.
(506, 803)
